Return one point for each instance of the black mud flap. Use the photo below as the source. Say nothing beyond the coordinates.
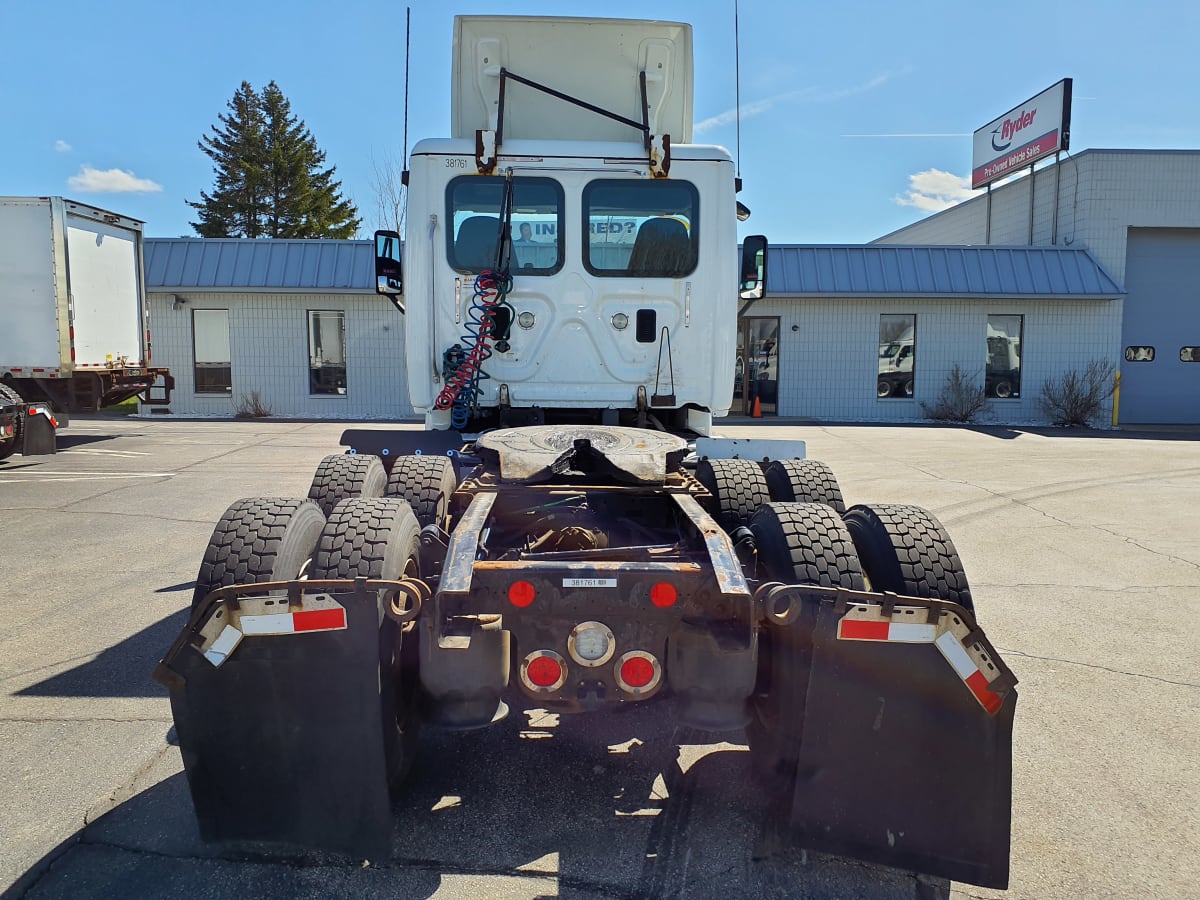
(283, 741)
(906, 744)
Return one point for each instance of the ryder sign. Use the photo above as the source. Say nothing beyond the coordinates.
(1024, 135)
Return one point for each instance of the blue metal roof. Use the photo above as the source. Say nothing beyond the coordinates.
(234, 264)
(893, 270)
(852, 270)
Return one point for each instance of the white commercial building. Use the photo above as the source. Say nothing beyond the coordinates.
(871, 333)
(1138, 212)
(295, 325)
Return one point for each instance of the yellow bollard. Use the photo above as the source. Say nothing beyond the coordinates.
(1116, 395)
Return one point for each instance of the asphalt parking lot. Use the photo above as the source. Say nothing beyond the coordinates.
(1083, 551)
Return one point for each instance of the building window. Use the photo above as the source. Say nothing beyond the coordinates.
(641, 229)
(1002, 374)
(326, 352)
(210, 346)
(1141, 354)
(897, 355)
(1189, 354)
(474, 206)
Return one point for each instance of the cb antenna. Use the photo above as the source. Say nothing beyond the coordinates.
(737, 90)
(407, 37)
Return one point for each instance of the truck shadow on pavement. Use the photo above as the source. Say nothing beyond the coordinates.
(67, 441)
(123, 670)
(532, 807)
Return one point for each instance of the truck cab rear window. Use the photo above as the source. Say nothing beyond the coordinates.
(641, 229)
(473, 209)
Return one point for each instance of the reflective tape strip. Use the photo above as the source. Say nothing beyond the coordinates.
(880, 628)
(902, 632)
(956, 654)
(225, 629)
(290, 623)
(983, 692)
(320, 620)
(280, 623)
(229, 638)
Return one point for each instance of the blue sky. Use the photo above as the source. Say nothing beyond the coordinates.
(857, 116)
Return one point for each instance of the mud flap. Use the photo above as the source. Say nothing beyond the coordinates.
(282, 739)
(906, 750)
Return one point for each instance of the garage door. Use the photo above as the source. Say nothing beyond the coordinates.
(1162, 312)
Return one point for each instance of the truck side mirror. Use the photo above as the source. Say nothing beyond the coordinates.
(389, 272)
(753, 282)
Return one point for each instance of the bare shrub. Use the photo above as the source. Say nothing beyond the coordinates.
(252, 407)
(1076, 398)
(961, 400)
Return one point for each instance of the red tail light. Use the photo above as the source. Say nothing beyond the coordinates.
(521, 594)
(663, 595)
(638, 672)
(544, 671)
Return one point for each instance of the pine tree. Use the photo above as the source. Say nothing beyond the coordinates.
(270, 180)
(235, 207)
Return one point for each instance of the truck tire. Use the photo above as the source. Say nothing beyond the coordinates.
(379, 538)
(426, 482)
(738, 487)
(798, 543)
(804, 481)
(8, 395)
(347, 475)
(259, 539)
(905, 549)
(883, 389)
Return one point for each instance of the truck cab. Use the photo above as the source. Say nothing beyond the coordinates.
(615, 237)
(622, 284)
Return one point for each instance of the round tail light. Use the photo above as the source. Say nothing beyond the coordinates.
(520, 594)
(663, 595)
(544, 671)
(638, 672)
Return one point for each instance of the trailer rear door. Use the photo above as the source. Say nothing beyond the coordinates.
(29, 337)
(105, 285)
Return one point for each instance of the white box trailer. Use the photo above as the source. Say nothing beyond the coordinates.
(73, 306)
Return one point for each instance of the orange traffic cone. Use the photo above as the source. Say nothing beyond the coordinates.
(757, 411)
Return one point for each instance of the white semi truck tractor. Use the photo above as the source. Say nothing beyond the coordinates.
(566, 533)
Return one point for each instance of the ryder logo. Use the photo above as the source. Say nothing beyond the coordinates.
(1008, 130)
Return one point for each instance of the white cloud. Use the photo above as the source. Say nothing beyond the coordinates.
(110, 181)
(62, 147)
(804, 95)
(934, 190)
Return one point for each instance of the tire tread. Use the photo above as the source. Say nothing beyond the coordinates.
(804, 481)
(738, 487)
(344, 475)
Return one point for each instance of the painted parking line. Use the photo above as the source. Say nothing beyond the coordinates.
(80, 476)
(96, 450)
